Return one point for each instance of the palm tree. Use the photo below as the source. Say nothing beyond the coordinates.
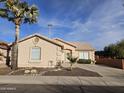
(72, 60)
(18, 12)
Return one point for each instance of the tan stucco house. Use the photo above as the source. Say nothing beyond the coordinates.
(39, 51)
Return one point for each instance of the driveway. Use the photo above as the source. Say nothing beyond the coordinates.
(102, 70)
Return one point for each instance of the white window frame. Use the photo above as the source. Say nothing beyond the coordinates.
(83, 55)
(35, 60)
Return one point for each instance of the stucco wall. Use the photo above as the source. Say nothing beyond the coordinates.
(67, 49)
(3, 59)
(49, 52)
(66, 46)
(92, 55)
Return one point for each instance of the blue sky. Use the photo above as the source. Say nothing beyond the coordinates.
(98, 22)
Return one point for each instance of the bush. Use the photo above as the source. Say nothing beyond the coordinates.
(84, 61)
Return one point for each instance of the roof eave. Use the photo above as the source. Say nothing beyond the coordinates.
(65, 42)
(85, 49)
(42, 37)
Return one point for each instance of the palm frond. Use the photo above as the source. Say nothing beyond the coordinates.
(23, 5)
(2, 0)
(3, 12)
(72, 59)
(31, 15)
(20, 10)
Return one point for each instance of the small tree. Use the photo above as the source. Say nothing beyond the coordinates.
(72, 60)
(113, 50)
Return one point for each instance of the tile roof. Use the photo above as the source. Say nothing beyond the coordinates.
(83, 46)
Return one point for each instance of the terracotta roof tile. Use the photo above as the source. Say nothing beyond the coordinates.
(83, 46)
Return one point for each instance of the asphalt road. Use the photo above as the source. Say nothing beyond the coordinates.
(25, 88)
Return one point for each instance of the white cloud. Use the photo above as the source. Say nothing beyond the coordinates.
(103, 26)
(106, 38)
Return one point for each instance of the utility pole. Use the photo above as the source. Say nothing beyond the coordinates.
(49, 28)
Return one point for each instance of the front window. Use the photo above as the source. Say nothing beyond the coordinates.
(36, 53)
(83, 55)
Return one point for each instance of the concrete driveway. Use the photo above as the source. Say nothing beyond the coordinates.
(103, 70)
(111, 82)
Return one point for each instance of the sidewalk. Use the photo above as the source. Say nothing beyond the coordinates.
(62, 80)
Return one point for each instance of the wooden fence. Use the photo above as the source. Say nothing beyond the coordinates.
(118, 63)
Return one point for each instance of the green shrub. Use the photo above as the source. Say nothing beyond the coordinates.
(84, 61)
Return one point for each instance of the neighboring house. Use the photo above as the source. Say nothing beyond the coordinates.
(3, 51)
(39, 51)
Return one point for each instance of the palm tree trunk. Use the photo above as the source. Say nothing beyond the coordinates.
(17, 34)
(15, 49)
